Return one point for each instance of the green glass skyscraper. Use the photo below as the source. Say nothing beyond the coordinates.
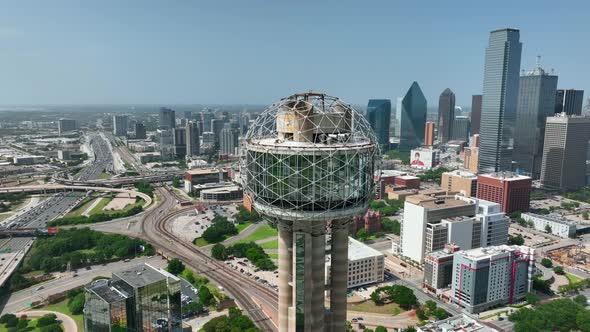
(379, 117)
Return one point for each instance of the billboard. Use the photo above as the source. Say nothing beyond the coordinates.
(422, 158)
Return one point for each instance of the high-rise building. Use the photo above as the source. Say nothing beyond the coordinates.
(167, 119)
(438, 268)
(446, 115)
(475, 114)
(569, 101)
(288, 146)
(471, 161)
(188, 115)
(229, 140)
(140, 132)
(461, 182)
(461, 127)
(193, 146)
(365, 265)
(379, 115)
(166, 144)
(66, 125)
(511, 191)
(120, 124)
(126, 302)
(412, 111)
(536, 101)
(500, 96)
(206, 117)
(491, 276)
(179, 141)
(216, 127)
(429, 134)
(565, 151)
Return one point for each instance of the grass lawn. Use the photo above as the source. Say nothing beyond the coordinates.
(243, 226)
(32, 327)
(270, 245)
(127, 207)
(370, 306)
(273, 256)
(104, 175)
(4, 215)
(262, 232)
(200, 242)
(81, 208)
(572, 278)
(100, 205)
(14, 207)
(63, 308)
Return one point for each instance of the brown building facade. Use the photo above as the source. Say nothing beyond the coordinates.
(511, 191)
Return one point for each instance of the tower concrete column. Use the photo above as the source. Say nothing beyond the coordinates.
(318, 281)
(285, 273)
(339, 275)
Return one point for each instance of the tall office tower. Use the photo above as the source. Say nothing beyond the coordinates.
(495, 223)
(216, 127)
(229, 140)
(475, 114)
(167, 119)
(565, 150)
(461, 182)
(500, 96)
(179, 141)
(188, 115)
(510, 190)
(65, 125)
(290, 150)
(429, 134)
(166, 144)
(206, 117)
(461, 127)
(412, 118)
(379, 116)
(120, 124)
(422, 212)
(569, 101)
(140, 131)
(193, 145)
(140, 298)
(446, 115)
(491, 276)
(536, 101)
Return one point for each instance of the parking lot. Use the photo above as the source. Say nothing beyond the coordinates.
(267, 278)
(192, 225)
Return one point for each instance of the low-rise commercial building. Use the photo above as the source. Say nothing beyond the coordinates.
(224, 193)
(201, 176)
(558, 225)
(365, 265)
(461, 322)
(486, 277)
(464, 183)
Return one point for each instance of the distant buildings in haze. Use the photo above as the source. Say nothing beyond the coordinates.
(446, 115)
(379, 117)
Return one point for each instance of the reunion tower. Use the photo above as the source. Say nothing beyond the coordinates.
(308, 166)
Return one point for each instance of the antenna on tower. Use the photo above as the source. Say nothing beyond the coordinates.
(538, 61)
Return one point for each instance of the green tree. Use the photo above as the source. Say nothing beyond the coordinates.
(548, 229)
(205, 296)
(430, 305)
(546, 262)
(46, 320)
(559, 270)
(76, 305)
(219, 252)
(380, 329)
(410, 329)
(9, 320)
(22, 323)
(348, 326)
(421, 314)
(391, 226)
(176, 182)
(440, 314)
(585, 215)
(515, 240)
(194, 307)
(581, 300)
(175, 266)
(532, 299)
(51, 328)
(362, 235)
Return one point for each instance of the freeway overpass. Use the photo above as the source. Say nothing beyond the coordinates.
(121, 181)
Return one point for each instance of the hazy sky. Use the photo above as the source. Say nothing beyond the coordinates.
(255, 52)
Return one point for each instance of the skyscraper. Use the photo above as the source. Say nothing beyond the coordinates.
(188, 115)
(140, 131)
(229, 139)
(120, 125)
(179, 140)
(167, 118)
(379, 115)
(216, 126)
(65, 125)
(446, 115)
(413, 118)
(536, 101)
(461, 125)
(429, 133)
(500, 96)
(193, 146)
(475, 114)
(564, 152)
(206, 117)
(569, 101)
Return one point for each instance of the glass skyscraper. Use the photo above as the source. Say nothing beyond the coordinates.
(379, 117)
(167, 118)
(536, 100)
(446, 115)
(413, 118)
(500, 96)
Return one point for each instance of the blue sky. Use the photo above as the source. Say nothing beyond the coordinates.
(139, 52)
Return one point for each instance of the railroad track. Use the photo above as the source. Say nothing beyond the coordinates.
(226, 277)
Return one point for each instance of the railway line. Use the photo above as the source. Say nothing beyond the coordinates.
(154, 229)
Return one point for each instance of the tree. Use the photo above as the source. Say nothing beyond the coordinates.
(46, 320)
(194, 307)
(421, 314)
(376, 297)
(515, 240)
(440, 314)
(205, 296)
(51, 328)
(175, 266)
(557, 315)
(348, 326)
(581, 300)
(532, 299)
(546, 262)
(219, 252)
(391, 226)
(559, 270)
(548, 229)
(585, 215)
(380, 329)
(410, 329)
(76, 305)
(430, 305)
(9, 320)
(176, 182)
(362, 234)
(22, 323)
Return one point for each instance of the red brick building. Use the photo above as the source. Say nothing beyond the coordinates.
(371, 222)
(511, 191)
(408, 181)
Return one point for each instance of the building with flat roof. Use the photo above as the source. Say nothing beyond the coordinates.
(491, 276)
(471, 159)
(66, 125)
(569, 101)
(379, 116)
(132, 301)
(511, 191)
(446, 115)
(464, 183)
(475, 114)
(438, 268)
(429, 134)
(461, 322)
(120, 125)
(204, 175)
(224, 193)
(365, 265)
(559, 225)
